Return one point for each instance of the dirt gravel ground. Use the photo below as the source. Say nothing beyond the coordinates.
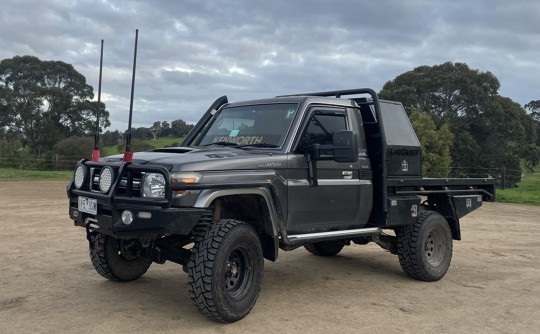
(47, 283)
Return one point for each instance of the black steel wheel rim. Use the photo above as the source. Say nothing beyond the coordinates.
(238, 273)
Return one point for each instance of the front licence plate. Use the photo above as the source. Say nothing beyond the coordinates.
(88, 205)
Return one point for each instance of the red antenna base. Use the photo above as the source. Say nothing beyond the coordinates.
(128, 156)
(95, 155)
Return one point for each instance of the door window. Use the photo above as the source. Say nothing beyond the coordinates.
(320, 130)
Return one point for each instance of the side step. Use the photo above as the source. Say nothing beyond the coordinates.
(300, 239)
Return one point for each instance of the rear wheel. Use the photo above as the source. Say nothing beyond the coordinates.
(117, 259)
(225, 271)
(425, 248)
(325, 248)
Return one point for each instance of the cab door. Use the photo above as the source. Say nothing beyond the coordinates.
(334, 202)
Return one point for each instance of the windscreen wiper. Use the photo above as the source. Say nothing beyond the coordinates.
(260, 145)
(222, 143)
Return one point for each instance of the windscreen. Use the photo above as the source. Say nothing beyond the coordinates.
(251, 125)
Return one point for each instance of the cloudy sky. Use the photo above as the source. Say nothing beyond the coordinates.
(193, 51)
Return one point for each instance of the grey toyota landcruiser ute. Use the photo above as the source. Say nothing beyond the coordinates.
(320, 170)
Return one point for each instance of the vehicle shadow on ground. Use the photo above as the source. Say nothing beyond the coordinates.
(163, 292)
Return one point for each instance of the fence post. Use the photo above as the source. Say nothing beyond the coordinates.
(503, 177)
(56, 161)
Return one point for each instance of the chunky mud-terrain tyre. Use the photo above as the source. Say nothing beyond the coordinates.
(225, 271)
(116, 259)
(325, 248)
(425, 248)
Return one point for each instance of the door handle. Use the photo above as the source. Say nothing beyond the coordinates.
(347, 174)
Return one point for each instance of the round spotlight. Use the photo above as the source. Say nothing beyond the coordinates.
(79, 176)
(127, 217)
(106, 178)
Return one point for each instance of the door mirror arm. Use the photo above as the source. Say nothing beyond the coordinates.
(312, 170)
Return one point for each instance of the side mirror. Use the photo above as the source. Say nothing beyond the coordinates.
(343, 148)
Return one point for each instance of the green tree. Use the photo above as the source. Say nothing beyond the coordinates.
(109, 138)
(509, 134)
(436, 143)
(139, 133)
(448, 91)
(533, 108)
(180, 128)
(45, 101)
(156, 129)
(165, 129)
(70, 150)
(490, 131)
(12, 152)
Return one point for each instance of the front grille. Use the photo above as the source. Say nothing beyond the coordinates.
(127, 189)
(130, 184)
(94, 177)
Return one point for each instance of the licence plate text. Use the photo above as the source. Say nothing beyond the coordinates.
(88, 205)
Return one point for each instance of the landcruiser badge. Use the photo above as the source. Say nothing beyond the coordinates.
(404, 166)
(468, 203)
(269, 165)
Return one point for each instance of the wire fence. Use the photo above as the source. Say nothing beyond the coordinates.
(504, 177)
(52, 163)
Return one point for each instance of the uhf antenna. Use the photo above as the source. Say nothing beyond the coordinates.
(95, 152)
(128, 155)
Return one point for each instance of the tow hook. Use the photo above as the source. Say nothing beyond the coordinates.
(87, 223)
(89, 235)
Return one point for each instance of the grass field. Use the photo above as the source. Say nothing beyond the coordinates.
(164, 141)
(527, 192)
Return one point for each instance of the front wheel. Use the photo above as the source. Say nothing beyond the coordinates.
(225, 271)
(425, 248)
(117, 259)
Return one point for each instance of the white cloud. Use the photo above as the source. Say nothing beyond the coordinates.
(192, 51)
